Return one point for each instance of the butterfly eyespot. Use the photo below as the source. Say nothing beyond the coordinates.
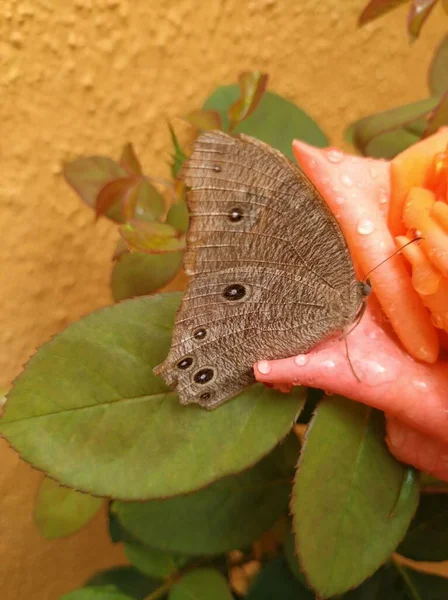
(203, 376)
(205, 396)
(200, 334)
(236, 291)
(236, 214)
(185, 363)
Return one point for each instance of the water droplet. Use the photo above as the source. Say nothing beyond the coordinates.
(420, 385)
(339, 200)
(301, 360)
(382, 196)
(372, 335)
(334, 155)
(329, 364)
(365, 227)
(325, 180)
(377, 368)
(437, 320)
(373, 172)
(312, 163)
(346, 180)
(328, 393)
(264, 367)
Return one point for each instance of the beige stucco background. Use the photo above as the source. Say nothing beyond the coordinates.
(84, 77)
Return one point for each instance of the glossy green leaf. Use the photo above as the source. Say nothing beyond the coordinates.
(252, 87)
(348, 511)
(377, 8)
(152, 237)
(439, 117)
(89, 397)
(178, 216)
(201, 584)
(139, 274)
(438, 71)
(427, 537)
(386, 134)
(129, 160)
(60, 511)
(276, 121)
(275, 581)
(96, 593)
(88, 175)
(204, 120)
(153, 563)
(228, 514)
(128, 580)
(179, 155)
(418, 14)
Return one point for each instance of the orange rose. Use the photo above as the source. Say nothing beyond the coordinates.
(395, 349)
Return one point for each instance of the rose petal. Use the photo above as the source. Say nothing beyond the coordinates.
(390, 380)
(354, 189)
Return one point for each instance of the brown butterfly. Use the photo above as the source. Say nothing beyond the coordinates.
(270, 271)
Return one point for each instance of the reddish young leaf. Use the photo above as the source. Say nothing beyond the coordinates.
(205, 120)
(377, 8)
(129, 160)
(439, 117)
(252, 87)
(112, 194)
(438, 71)
(143, 202)
(418, 13)
(87, 175)
(151, 237)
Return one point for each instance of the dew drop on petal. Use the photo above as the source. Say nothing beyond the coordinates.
(382, 196)
(420, 385)
(301, 360)
(365, 227)
(334, 155)
(373, 172)
(329, 364)
(312, 163)
(346, 180)
(264, 367)
(339, 200)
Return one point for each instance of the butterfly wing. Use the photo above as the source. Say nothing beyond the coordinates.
(270, 272)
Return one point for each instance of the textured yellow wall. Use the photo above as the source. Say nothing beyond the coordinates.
(86, 76)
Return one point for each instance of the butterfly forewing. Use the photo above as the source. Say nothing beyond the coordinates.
(270, 272)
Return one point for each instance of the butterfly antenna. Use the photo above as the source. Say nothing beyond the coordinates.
(417, 239)
(348, 358)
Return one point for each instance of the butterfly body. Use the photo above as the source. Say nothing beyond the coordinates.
(270, 272)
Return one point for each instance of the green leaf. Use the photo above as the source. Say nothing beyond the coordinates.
(292, 560)
(60, 511)
(129, 161)
(204, 120)
(139, 274)
(438, 71)
(276, 581)
(252, 87)
(387, 133)
(349, 514)
(152, 237)
(201, 584)
(276, 120)
(154, 563)
(128, 580)
(418, 14)
(178, 216)
(96, 593)
(89, 411)
(427, 537)
(439, 117)
(228, 514)
(377, 8)
(88, 175)
(179, 156)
